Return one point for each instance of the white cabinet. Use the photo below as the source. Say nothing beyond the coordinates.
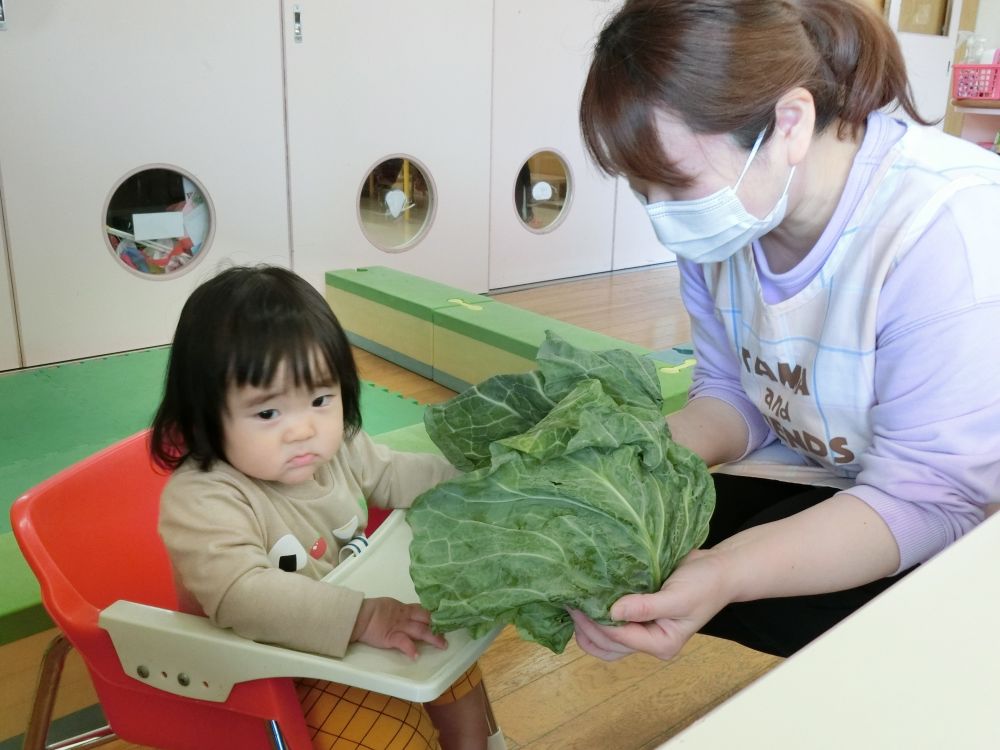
(95, 91)
(369, 82)
(980, 124)
(542, 52)
(927, 33)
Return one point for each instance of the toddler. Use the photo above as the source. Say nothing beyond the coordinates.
(272, 477)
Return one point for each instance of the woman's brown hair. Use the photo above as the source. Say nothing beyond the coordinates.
(722, 65)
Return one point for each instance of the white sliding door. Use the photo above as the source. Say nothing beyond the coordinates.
(142, 146)
(389, 136)
(553, 212)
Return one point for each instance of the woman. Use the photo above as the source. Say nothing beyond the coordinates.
(842, 273)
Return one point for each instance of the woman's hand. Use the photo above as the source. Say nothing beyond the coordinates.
(661, 623)
(387, 623)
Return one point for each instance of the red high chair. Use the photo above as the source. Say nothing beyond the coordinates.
(89, 534)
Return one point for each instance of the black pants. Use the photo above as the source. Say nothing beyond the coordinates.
(776, 626)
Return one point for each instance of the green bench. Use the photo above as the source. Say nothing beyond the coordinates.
(457, 338)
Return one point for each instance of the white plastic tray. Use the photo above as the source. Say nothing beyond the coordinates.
(384, 570)
(187, 655)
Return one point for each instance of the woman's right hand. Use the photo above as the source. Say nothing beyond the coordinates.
(662, 622)
(387, 623)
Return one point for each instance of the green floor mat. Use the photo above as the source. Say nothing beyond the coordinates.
(54, 416)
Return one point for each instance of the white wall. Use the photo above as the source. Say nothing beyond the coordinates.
(988, 21)
(10, 356)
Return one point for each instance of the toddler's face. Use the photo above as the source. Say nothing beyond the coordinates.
(283, 432)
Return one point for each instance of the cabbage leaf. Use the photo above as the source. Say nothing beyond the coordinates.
(575, 496)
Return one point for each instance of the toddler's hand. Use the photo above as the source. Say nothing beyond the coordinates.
(388, 623)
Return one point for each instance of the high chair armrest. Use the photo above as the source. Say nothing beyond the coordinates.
(188, 655)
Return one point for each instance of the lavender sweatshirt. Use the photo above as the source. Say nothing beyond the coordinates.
(933, 461)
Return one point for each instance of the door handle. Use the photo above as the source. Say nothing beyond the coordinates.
(296, 23)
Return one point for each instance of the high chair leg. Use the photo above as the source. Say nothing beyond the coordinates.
(495, 740)
(49, 675)
(275, 735)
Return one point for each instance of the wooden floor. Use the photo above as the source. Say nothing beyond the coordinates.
(572, 700)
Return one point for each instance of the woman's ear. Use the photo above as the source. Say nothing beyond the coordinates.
(795, 117)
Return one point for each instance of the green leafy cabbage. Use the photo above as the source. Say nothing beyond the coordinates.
(576, 496)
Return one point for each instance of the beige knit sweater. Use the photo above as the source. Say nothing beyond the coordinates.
(249, 554)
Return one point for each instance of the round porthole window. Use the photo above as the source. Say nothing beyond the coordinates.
(396, 204)
(542, 190)
(158, 221)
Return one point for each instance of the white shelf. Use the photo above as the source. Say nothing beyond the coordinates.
(977, 110)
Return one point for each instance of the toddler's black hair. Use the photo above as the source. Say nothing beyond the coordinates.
(238, 328)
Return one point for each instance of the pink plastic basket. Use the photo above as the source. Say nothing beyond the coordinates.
(976, 81)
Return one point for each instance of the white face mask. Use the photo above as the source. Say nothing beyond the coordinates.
(713, 228)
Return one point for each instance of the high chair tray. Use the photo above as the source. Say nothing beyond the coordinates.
(187, 655)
